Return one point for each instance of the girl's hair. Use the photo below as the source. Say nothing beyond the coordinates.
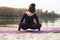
(32, 8)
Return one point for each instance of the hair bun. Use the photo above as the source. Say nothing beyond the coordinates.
(32, 5)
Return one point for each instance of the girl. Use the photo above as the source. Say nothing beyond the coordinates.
(29, 19)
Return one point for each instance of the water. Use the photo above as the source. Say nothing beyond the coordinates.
(55, 23)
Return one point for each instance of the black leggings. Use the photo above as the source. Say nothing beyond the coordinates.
(31, 26)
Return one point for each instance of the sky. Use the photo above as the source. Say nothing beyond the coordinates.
(50, 5)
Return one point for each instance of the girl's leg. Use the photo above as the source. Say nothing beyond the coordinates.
(36, 26)
(20, 26)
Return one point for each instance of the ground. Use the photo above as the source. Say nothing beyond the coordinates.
(5, 35)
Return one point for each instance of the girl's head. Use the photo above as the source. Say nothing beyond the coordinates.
(32, 8)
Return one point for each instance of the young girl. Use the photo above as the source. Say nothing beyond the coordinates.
(29, 19)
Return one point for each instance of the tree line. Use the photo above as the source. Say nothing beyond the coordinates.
(11, 14)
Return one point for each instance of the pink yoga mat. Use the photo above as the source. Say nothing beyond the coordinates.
(29, 31)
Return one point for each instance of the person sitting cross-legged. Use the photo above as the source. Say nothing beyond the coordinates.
(29, 19)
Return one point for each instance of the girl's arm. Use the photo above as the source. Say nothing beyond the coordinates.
(22, 19)
(36, 17)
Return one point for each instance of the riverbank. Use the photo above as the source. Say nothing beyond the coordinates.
(15, 27)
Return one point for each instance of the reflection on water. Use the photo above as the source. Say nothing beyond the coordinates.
(51, 22)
